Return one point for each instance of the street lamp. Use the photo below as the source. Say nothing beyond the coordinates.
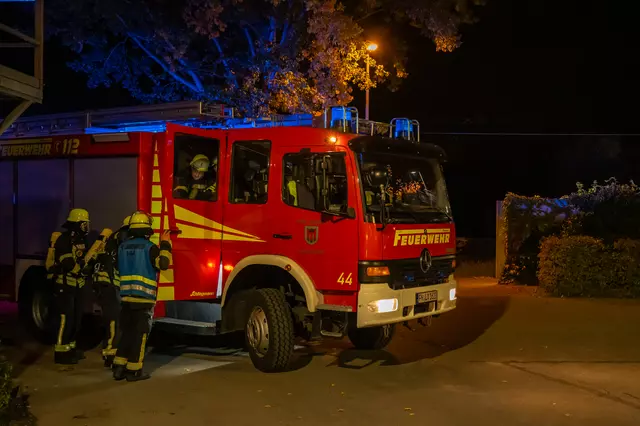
(371, 47)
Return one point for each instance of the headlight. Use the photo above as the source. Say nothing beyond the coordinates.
(452, 294)
(384, 305)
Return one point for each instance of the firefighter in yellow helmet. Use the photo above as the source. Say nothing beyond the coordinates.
(107, 280)
(139, 261)
(67, 274)
(201, 183)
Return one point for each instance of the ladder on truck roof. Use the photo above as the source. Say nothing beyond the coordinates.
(125, 119)
(153, 118)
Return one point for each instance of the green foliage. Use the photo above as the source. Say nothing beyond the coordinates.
(6, 386)
(525, 221)
(608, 212)
(584, 266)
(260, 56)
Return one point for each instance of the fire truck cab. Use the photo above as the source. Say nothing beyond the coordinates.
(300, 228)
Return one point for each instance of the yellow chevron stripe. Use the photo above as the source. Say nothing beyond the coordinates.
(156, 191)
(189, 216)
(166, 293)
(191, 232)
(156, 207)
(165, 222)
(155, 160)
(156, 176)
(166, 277)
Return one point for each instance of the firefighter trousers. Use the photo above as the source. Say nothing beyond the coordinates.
(69, 306)
(110, 304)
(135, 326)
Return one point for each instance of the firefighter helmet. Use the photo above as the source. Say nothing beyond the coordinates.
(78, 215)
(125, 222)
(140, 220)
(200, 163)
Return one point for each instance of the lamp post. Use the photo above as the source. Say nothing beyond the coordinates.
(371, 47)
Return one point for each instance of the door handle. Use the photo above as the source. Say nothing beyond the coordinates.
(283, 236)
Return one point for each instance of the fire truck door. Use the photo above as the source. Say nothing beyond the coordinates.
(192, 182)
(324, 244)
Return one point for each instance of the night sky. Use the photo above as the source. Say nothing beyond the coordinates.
(528, 66)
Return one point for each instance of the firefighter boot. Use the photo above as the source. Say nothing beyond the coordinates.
(108, 360)
(64, 358)
(119, 372)
(136, 376)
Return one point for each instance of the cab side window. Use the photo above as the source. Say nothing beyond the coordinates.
(315, 182)
(195, 169)
(249, 172)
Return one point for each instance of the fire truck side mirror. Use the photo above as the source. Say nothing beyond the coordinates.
(351, 213)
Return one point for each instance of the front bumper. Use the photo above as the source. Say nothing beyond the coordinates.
(406, 303)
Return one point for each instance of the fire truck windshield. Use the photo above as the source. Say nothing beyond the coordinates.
(414, 188)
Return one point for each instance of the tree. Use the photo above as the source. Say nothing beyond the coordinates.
(260, 56)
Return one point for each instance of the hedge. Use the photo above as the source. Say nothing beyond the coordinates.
(584, 266)
(14, 405)
(609, 212)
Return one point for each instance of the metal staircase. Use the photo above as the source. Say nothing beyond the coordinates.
(16, 86)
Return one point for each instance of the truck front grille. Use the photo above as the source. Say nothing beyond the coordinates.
(406, 273)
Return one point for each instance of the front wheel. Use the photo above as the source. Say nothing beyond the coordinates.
(269, 330)
(372, 337)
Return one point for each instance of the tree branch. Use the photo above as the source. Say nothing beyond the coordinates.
(272, 29)
(161, 63)
(230, 75)
(370, 14)
(188, 69)
(285, 33)
(250, 41)
(113, 50)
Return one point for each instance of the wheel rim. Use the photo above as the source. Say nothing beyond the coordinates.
(258, 331)
(39, 310)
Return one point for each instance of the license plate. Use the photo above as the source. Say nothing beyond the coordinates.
(426, 296)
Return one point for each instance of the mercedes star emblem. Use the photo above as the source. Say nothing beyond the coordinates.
(425, 261)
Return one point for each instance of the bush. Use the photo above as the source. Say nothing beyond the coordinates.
(585, 266)
(6, 386)
(609, 212)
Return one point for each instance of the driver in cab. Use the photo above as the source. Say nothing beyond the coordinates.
(200, 184)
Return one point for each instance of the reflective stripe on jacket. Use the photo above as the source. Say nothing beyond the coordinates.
(138, 277)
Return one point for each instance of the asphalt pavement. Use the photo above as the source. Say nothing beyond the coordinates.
(505, 356)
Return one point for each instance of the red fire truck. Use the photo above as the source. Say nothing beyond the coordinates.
(326, 226)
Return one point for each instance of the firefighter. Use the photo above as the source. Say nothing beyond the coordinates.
(69, 250)
(200, 184)
(107, 279)
(139, 261)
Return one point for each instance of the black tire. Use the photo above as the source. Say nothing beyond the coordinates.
(268, 307)
(372, 338)
(36, 305)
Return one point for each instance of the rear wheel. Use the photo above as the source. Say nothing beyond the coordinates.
(36, 305)
(269, 330)
(372, 337)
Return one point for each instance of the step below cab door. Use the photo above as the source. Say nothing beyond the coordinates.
(189, 203)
